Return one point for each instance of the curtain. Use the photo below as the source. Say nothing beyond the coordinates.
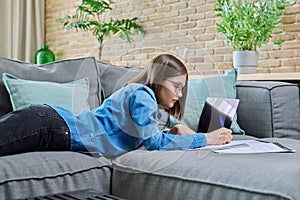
(21, 28)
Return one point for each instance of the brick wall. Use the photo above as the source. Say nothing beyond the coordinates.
(185, 28)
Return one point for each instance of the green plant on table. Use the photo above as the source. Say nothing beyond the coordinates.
(247, 24)
(90, 17)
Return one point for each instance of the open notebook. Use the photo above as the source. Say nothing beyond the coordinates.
(217, 113)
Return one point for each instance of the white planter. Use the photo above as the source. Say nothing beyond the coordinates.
(245, 61)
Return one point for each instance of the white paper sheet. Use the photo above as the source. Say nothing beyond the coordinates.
(249, 146)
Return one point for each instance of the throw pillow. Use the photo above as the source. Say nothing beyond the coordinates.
(223, 86)
(61, 71)
(120, 74)
(72, 95)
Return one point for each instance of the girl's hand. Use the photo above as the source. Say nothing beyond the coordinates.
(219, 136)
(181, 129)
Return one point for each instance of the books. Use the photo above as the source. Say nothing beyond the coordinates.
(250, 146)
(217, 113)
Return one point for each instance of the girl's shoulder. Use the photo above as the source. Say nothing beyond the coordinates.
(135, 87)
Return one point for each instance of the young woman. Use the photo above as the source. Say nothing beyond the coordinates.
(126, 120)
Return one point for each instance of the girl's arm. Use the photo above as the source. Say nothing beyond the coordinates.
(188, 141)
(174, 142)
(175, 126)
(145, 115)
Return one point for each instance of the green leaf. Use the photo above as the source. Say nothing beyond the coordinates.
(247, 24)
(88, 17)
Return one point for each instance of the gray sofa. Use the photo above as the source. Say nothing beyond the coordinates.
(269, 110)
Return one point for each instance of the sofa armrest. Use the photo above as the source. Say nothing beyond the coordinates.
(269, 108)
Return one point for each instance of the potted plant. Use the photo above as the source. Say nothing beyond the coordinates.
(247, 25)
(90, 17)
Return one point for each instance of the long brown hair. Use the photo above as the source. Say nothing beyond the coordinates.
(161, 68)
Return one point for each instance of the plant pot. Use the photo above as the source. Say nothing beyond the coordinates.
(245, 61)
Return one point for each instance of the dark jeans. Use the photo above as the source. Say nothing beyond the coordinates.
(33, 128)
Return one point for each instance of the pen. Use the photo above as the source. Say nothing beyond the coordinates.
(221, 121)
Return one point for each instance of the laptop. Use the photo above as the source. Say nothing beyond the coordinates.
(217, 113)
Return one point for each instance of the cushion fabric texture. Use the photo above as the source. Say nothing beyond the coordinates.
(114, 77)
(72, 95)
(60, 71)
(269, 109)
(202, 174)
(44, 173)
(223, 86)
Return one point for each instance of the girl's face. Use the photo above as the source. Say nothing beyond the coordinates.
(171, 90)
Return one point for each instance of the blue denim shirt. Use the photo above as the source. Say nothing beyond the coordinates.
(126, 120)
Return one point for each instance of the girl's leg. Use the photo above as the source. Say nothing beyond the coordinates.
(33, 128)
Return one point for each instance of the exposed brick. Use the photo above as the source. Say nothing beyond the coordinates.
(223, 50)
(179, 20)
(293, 9)
(195, 59)
(197, 31)
(171, 41)
(188, 25)
(204, 66)
(292, 28)
(228, 58)
(186, 28)
(156, 17)
(163, 22)
(188, 11)
(197, 16)
(223, 65)
(204, 52)
(291, 45)
(215, 44)
(269, 63)
(264, 55)
(179, 6)
(171, 1)
(214, 58)
(288, 19)
(282, 54)
(148, 11)
(173, 14)
(205, 8)
(262, 70)
(283, 70)
(206, 22)
(205, 37)
(196, 3)
(127, 57)
(291, 62)
(163, 9)
(172, 27)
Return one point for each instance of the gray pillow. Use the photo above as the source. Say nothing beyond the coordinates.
(114, 77)
(61, 72)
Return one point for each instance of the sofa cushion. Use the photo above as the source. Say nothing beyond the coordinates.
(59, 71)
(72, 95)
(199, 89)
(43, 173)
(114, 77)
(202, 174)
(269, 108)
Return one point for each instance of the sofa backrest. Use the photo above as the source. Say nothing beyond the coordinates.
(269, 108)
(114, 77)
(59, 71)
